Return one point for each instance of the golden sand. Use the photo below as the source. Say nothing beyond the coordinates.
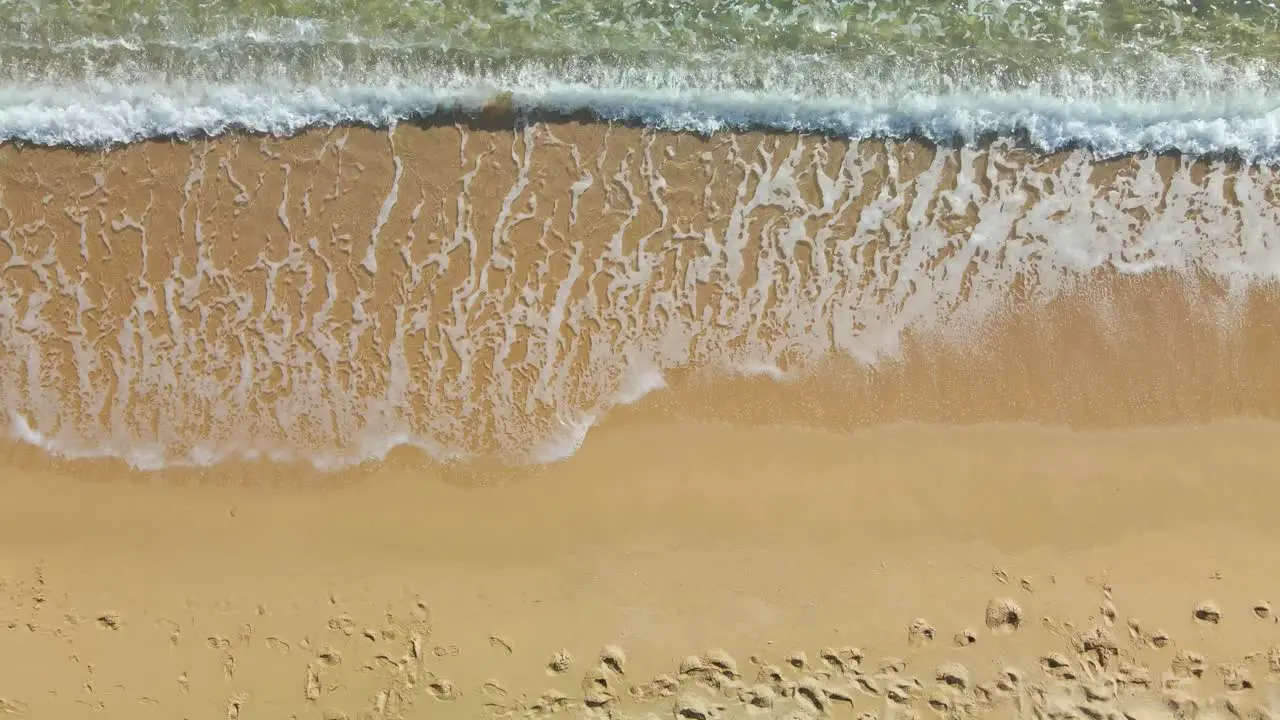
(1057, 503)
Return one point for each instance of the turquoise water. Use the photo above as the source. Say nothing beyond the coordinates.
(1120, 76)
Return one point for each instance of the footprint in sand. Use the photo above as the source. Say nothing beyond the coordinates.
(1009, 680)
(560, 662)
(760, 696)
(235, 704)
(1057, 665)
(842, 660)
(1101, 644)
(953, 675)
(442, 690)
(1235, 677)
(919, 632)
(942, 705)
(1003, 615)
(724, 663)
(329, 656)
(771, 674)
(965, 638)
(1208, 612)
(844, 695)
(811, 693)
(613, 658)
(175, 630)
(695, 707)
(1158, 638)
(311, 687)
(1188, 664)
(596, 690)
(550, 702)
(343, 624)
(890, 665)
(494, 689)
(421, 614)
(1108, 612)
(663, 686)
(867, 685)
(109, 621)
(1262, 610)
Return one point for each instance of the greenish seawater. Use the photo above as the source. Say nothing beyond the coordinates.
(1194, 74)
(1008, 41)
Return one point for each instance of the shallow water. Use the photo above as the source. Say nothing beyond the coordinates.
(1197, 77)
(334, 295)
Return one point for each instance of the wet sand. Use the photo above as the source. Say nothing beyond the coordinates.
(475, 292)
(1060, 506)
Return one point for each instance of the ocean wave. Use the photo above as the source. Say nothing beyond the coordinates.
(98, 114)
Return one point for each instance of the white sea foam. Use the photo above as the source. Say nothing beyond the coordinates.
(107, 112)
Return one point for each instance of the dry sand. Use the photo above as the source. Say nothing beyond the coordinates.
(1069, 518)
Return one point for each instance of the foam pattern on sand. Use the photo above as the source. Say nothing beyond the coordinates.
(331, 296)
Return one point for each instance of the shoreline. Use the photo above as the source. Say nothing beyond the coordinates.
(1080, 362)
(498, 114)
(1044, 125)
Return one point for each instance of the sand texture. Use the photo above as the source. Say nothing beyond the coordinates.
(581, 421)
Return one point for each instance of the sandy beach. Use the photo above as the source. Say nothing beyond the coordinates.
(1033, 476)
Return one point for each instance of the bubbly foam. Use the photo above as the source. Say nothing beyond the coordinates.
(101, 113)
(1198, 78)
